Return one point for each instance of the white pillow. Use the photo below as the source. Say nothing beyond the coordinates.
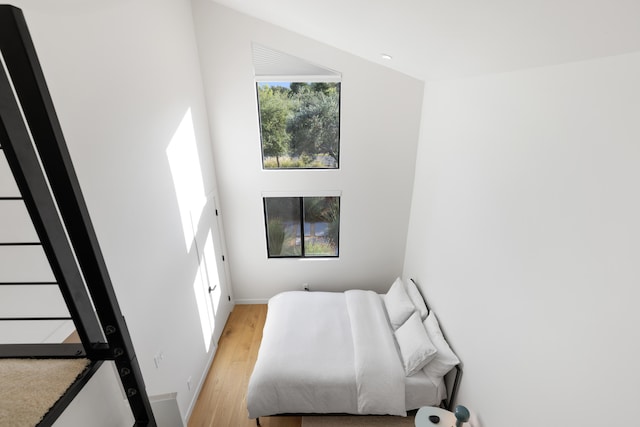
(398, 304)
(415, 346)
(445, 358)
(416, 298)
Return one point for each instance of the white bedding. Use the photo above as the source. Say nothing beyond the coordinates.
(325, 352)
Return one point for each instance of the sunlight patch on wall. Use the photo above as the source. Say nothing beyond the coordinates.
(184, 162)
(211, 269)
(207, 289)
(200, 290)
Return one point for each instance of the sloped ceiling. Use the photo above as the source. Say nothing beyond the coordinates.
(438, 39)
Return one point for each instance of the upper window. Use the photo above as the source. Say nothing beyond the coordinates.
(299, 111)
(299, 124)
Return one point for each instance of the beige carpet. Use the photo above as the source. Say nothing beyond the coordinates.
(29, 387)
(355, 420)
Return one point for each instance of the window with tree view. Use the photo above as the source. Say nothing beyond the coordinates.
(299, 124)
(302, 226)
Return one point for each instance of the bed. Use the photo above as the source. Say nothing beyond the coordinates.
(353, 352)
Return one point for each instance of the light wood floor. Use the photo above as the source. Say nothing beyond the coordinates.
(222, 401)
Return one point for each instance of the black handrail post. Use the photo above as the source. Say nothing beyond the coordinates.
(23, 162)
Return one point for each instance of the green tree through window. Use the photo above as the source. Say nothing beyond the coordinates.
(300, 125)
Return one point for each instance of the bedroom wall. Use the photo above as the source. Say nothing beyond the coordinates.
(380, 116)
(523, 234)
(125, 79)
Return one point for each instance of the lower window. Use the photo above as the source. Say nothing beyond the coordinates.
(302, 227)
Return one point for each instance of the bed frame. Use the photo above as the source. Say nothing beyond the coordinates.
(32, 142)
(452, 380)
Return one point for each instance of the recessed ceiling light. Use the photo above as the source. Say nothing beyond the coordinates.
(386, 56)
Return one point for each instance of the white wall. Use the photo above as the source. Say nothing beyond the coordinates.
(124, 76)
(101, 403)
(524, 235)
(380, 116)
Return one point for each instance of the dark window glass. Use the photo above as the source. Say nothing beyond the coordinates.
(302, 226)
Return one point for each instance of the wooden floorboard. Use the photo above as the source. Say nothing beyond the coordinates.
(223, 399)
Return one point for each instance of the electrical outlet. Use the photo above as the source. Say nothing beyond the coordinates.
(305, 287)
(157, 359)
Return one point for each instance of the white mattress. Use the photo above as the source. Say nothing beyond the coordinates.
(325, 352)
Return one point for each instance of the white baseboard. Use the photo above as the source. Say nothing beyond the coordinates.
(252, 301)
(203, 378)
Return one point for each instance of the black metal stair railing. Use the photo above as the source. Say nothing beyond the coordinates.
(31, 139)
